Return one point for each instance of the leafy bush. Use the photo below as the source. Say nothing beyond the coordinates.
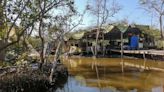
(160, 44)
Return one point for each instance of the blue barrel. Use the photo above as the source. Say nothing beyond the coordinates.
(134, 42)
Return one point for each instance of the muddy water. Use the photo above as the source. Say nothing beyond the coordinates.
(113, 75)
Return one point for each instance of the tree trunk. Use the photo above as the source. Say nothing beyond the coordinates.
(98, 27)
(97, 38)
(2, 53)
(2, 42)
(42, 44)
(1, 15)
(161, 26)
(42, 54)
(32, 49)
(56, 57)
(45, 54)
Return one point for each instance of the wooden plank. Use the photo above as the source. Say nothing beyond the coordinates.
(150, 52)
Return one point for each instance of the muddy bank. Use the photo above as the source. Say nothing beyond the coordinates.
(32, 80)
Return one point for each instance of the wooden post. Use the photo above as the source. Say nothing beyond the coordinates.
(144, 60)
(122, 67)
(86, 44)
(144, 57)
(121, 44)
(103, 45)
(122, 52)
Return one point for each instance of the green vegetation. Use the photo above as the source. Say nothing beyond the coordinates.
(41, 31)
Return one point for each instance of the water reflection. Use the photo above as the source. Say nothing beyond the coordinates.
(158, 89)
(114, 75)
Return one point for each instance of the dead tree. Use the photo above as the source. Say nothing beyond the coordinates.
(102, 12)
(157, 7)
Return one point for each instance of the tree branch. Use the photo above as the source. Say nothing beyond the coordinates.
(16, 19)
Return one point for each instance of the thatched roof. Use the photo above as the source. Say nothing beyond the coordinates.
(142, 30)
(112, 32)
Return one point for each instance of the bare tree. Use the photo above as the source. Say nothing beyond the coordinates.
(157, 7)
(65, 23)
(103, 9)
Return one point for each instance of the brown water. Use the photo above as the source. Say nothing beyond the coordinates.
(113, 75)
